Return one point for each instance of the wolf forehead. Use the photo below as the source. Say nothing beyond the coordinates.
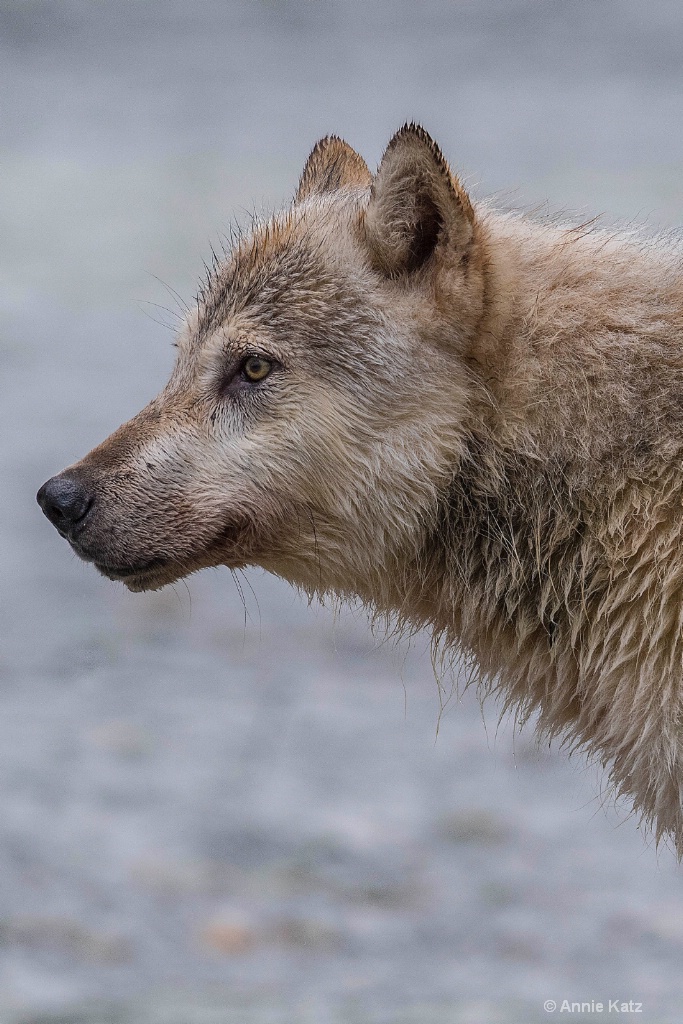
(299, 275)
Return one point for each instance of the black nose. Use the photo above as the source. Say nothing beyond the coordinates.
(65, 501)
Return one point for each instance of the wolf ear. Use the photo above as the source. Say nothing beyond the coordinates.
(415, 204)
(332, 164)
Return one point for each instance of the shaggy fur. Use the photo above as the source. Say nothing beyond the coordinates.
(472, 422)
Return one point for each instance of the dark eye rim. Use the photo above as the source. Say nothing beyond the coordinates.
(236, 380)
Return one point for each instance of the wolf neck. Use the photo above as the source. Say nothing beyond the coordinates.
(581, 344)
(556, 564)
(513, 568)
(552, 558)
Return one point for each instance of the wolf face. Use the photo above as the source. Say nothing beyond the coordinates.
(319, 396)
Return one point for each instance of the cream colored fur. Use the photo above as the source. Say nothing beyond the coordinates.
(474, 423)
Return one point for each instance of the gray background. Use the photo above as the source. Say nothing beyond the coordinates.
(207, 816)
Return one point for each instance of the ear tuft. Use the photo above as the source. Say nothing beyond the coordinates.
(416, 204)
(332, 165)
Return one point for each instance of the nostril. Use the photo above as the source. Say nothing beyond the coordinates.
(65, 501)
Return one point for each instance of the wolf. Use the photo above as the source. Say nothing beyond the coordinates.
(470, 420)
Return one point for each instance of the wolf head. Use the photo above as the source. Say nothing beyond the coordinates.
(320, 396)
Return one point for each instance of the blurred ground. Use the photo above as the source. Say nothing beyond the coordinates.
(204, 819)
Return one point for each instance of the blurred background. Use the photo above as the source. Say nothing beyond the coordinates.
(211, 814)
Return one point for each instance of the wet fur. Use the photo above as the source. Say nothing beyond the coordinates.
(477, 426)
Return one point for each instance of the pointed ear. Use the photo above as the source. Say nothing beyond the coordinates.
(332, 164)
(416, 204)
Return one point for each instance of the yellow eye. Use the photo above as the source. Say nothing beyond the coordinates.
(255, 368)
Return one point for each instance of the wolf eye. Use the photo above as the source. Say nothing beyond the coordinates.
(256, 368)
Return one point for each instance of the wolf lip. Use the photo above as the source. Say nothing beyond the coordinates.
(122, 572)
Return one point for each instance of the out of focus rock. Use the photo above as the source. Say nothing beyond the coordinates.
(229, 934)
(308, 933)
(473, 826)
(121, 737)
(66, 936)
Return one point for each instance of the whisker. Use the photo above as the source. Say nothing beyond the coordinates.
(182, 305)
(242, 598)
(246, 579)
(161, 323)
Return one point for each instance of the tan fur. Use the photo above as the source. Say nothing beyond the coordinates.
(474, 423)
